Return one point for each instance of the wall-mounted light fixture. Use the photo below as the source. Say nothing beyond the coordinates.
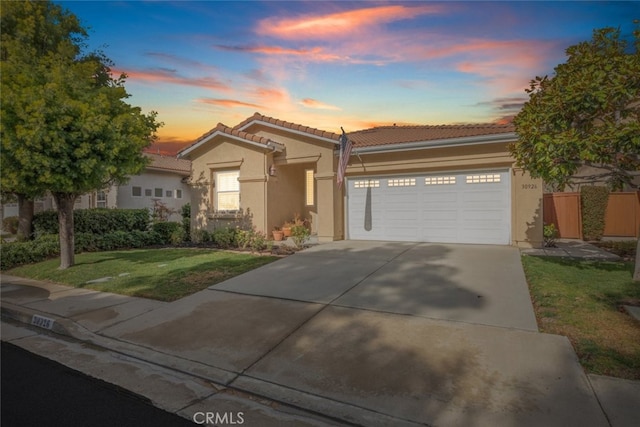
(272, 170)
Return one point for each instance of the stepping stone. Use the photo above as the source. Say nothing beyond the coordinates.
(100, 280)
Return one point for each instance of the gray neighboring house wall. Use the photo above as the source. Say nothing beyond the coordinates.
(164, 180)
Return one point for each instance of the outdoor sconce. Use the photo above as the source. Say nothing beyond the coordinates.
(272, 170)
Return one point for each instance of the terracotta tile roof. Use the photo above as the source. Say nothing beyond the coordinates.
(386, 135)
(166, 163)
(234, 132)
(288, 125)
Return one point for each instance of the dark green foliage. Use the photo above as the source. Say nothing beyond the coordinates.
(18, 253)
(95, 221)
(47, 245)
(10, 224)
(593, 202)
(166, 230)
(186, 221)
(224, 238)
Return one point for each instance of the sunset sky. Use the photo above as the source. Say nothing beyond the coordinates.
(330, 64)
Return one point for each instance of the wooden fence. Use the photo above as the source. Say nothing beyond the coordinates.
(622, 218)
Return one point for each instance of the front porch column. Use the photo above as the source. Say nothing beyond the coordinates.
(330, 208)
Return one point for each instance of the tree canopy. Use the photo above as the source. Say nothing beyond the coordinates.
(66, 127)
(586, 114)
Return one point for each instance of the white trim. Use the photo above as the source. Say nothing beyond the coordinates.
(274, 146)
(438, 143)
(297, 132)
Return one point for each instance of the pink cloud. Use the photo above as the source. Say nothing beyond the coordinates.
(172, 77)
(316, 53)
(340, 24)
(227, 103)
(312, 103)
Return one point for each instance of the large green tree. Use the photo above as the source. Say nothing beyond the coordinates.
(586, 114)
(66, 127)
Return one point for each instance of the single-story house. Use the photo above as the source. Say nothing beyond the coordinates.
(164, 179)
(454, 183)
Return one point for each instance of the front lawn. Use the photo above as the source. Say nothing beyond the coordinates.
(162, 274)
(582, 300)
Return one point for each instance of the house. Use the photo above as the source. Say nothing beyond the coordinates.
(163, 180)
(455, 183)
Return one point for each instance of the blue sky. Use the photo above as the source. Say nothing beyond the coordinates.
(330, 64)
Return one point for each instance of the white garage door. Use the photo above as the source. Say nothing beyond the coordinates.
(446, 208)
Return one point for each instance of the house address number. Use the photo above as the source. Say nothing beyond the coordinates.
(41, 321)
(529, 186)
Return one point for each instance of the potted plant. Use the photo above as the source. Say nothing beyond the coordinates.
(286, 228)
(278, 234)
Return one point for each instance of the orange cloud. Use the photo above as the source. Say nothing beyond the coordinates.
(312, 103)
(340, 24)
(227, 103)
(314, 53)
(172, 77)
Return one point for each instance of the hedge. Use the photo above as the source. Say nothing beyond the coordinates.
(170, 232)
(10, 224)
(593, 201)
(95, 221)
(46, 246)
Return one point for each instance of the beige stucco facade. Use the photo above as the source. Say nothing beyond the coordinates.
(269, 199)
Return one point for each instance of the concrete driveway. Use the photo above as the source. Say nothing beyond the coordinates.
(477, 284)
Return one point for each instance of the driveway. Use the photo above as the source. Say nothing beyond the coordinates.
(478, 284)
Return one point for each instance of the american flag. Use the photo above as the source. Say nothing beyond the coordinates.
(345, 152)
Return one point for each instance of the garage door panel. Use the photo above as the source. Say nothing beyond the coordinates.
(447, 208)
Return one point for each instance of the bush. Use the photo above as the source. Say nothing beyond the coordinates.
(18, 253)
(186, 221)
(177, 236)
(254, 240)
(166, 230)
(95, 221)
(299, 234)
(593, 201)
(224, 238)
(201, 236)
(10, 224)
(550, 234)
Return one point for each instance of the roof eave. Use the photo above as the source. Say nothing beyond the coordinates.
(271, 145)
(286, 129)
(438, 143)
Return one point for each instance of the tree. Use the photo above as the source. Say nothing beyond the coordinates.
(66, 128)
(587, 114)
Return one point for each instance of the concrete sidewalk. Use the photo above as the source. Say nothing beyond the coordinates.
(322, 362)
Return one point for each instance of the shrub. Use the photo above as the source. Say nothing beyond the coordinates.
(95, 221)
(550, 234)
(177, 236)
(186, 221)
(18, 253)
(166, 230)
(224, 237)
(593, 202)
(10, 224)
(254, 240)
(200, 236)
(299, 234)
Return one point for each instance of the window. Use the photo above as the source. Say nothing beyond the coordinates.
(169, 193)
(369, 183)
(136, 191)
(101, 199)
(309, 190)
(157, 192)
(402, 182)
(439, 180)
(227, 191)
(148, 192)
(483, 179)
(178, 194)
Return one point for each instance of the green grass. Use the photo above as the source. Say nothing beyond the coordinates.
(582, 300)
(161, 274)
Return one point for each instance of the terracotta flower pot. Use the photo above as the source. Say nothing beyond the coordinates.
(277, 235)
(286, 231)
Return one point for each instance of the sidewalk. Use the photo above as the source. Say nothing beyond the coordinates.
(283, 362)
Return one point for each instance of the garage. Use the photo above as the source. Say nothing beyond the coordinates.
(460, 207)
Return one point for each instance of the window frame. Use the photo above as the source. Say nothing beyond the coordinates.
(155, 193)
(309, 186)
(216, 191)
(133, 187)
(98, 199)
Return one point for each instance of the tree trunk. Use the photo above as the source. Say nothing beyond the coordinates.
(636, 271)
(65, 203)
(25, 217)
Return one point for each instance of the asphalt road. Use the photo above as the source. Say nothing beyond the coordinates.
(40, 392)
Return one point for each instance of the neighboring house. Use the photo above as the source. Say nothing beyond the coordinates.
(164, 180)
(453, 183)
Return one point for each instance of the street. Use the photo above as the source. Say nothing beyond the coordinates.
(38, 391)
